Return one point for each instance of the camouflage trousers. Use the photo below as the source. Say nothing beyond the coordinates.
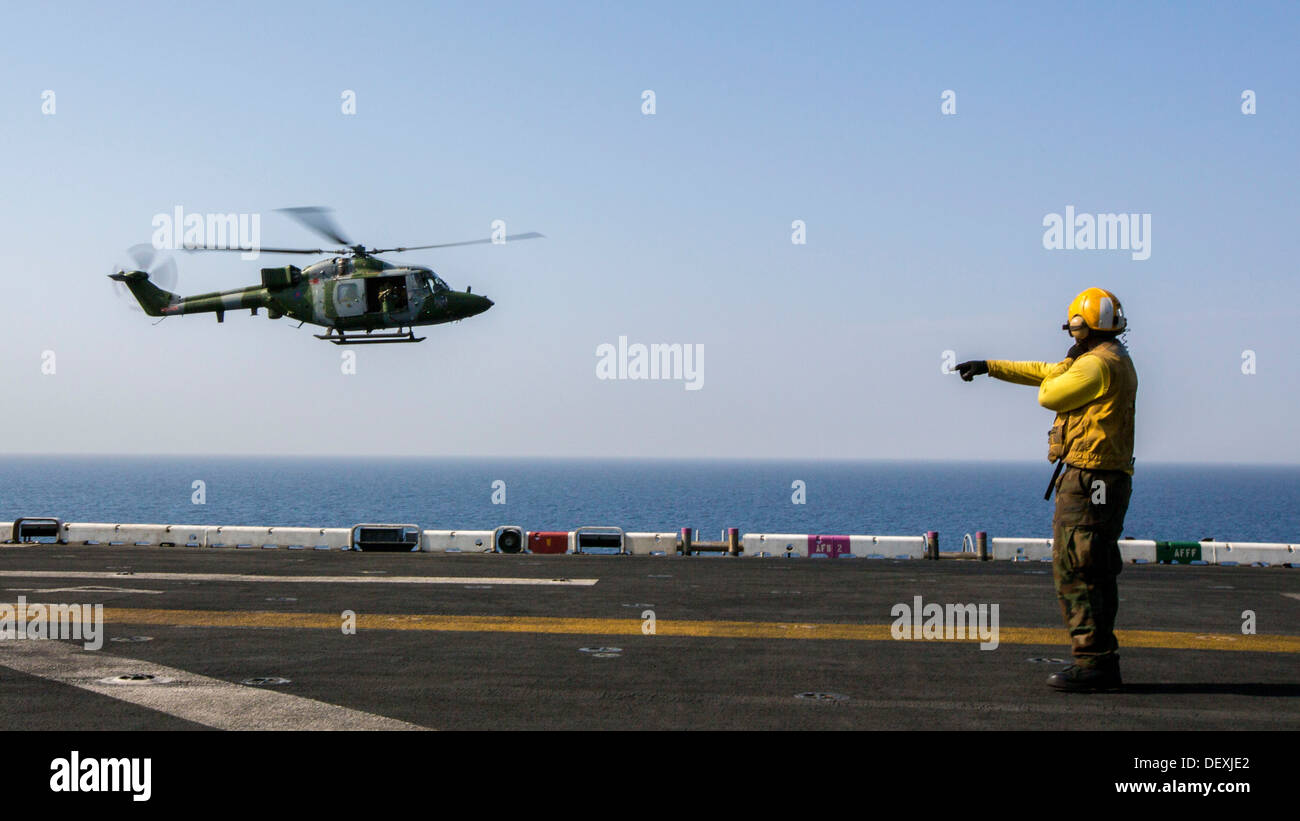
(1090, 509)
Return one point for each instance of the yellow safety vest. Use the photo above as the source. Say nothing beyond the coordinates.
(1097, 434)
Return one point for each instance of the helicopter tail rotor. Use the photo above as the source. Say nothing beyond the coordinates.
(146, 281)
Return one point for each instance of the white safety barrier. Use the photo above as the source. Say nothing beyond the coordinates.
(183, 536)
(1137, 550)
(236, 536)
(774, 544)
(890, 547)
(204, 535)
(659, 543)
(1250, 552)
(335, 538)
(804, 544)
(305, 537)
(457, 541)
(131, 534)
(648, 544)
(1019, 549)
(6, 531)
(90, 533)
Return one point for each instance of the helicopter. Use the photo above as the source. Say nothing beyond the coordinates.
(353, 294)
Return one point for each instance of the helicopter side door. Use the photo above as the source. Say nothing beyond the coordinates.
(348, 296)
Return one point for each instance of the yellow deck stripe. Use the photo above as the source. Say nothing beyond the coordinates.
(695, 629)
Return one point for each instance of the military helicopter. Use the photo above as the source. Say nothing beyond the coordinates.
(353, 294)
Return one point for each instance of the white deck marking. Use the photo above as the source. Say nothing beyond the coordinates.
(248, 577)
(86, 588)
(189, 696)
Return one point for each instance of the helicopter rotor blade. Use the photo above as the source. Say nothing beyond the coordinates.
(510, 238)
(316, 251)
(318, 219)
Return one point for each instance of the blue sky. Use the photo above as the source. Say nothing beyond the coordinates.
(924, 230)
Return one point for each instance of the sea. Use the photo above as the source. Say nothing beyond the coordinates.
(1170, 502)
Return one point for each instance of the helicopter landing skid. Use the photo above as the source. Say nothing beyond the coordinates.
(368, 338)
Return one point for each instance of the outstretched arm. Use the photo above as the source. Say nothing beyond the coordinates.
(1026, 373)
(1062, 386)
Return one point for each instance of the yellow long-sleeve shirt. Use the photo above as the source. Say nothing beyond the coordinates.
(1062, 386)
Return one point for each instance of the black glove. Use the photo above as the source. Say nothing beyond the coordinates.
(972, 369)
(1076, 350)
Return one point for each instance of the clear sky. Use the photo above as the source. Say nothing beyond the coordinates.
(924, 230)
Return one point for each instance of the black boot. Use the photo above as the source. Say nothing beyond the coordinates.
(1076, 679)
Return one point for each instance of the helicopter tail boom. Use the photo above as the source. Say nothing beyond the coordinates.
(151, 298)
(157, 302)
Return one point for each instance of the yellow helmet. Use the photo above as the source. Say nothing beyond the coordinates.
(1096, 309)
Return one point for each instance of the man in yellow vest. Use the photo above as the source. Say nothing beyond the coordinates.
(1093, 391)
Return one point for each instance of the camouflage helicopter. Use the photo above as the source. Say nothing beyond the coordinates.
(352, 294)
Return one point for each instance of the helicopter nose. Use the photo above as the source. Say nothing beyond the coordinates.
(480, 304)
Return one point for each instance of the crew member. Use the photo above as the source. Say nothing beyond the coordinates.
(1093, 391)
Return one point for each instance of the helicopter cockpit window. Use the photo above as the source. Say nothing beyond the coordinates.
(436, 284)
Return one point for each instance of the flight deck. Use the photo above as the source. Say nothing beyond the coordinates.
(258, 638)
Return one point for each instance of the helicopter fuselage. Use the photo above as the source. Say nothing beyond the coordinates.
(345, 293)
(354, 291)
